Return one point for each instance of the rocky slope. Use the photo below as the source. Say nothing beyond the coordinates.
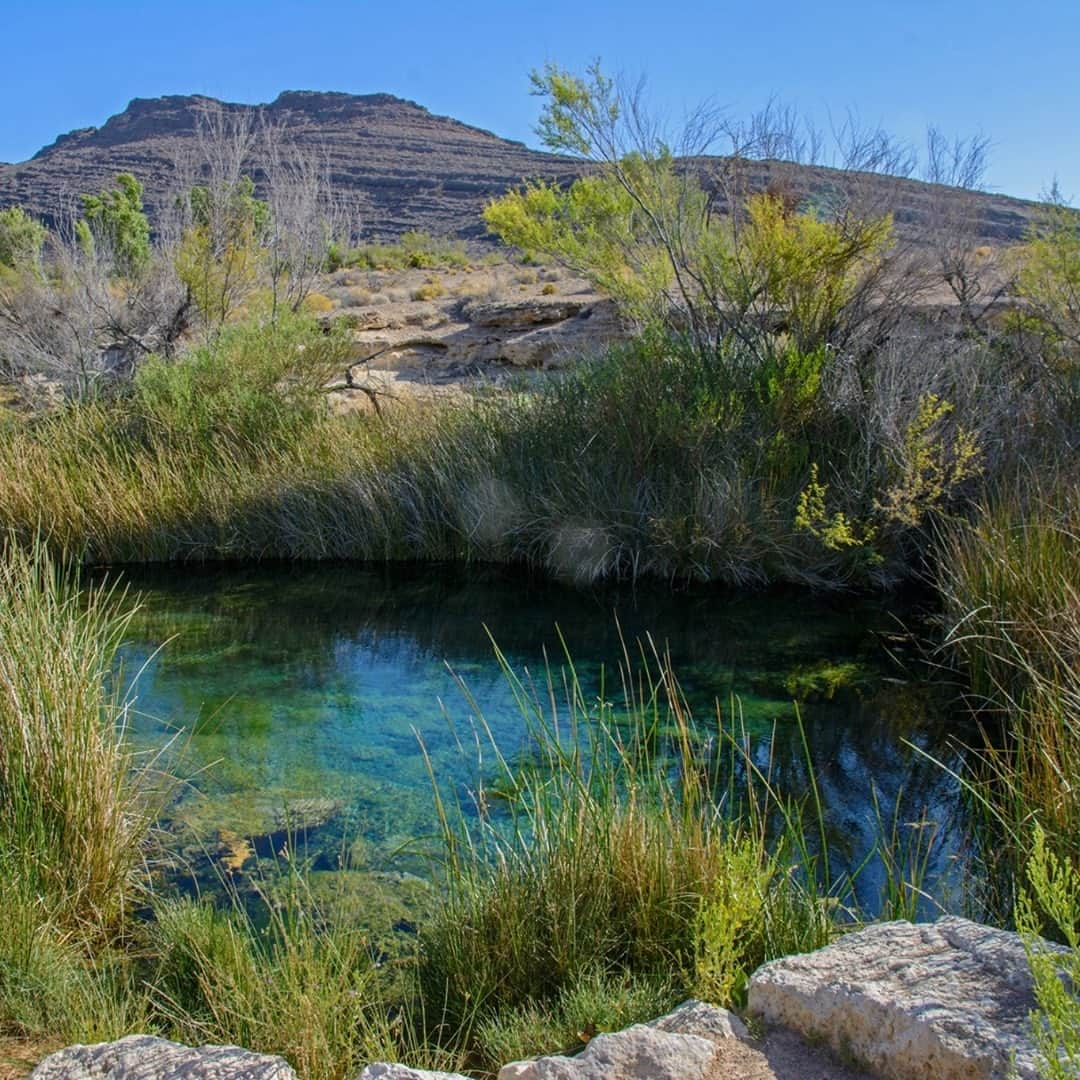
(405, 168)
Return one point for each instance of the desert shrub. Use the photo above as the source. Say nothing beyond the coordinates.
(644, 230)
(414, 250)
(317, 304)
(1048, 276)
(430, 290)
(256, 383)
(223, 254)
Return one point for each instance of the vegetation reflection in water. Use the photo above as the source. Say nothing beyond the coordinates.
(305, 694)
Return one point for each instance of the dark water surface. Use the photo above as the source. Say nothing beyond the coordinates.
(303, 695)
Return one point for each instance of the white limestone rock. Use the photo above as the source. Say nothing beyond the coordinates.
(146, 1057)
(639, 1053)
(698, 1018)
(382, 1070)
(949, 999)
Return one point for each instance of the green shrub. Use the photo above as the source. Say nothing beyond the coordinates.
(1048, 276)
(430, 290)
(255, 384)
(645, 231)
(1052, 895)
(21, 238)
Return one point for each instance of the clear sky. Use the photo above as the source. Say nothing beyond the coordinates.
(1007, 70)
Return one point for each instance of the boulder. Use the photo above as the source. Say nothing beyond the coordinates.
(146, 1057)
(698, 1018)
(948, 999)
(383, 1070)
(640, 1051)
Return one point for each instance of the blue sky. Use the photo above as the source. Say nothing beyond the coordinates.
(1005, 70)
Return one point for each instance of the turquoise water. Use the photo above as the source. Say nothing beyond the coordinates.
(299, 699)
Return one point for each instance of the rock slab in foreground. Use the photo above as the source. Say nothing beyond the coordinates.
(949, 999)
(679, 1046)
(146, 1057)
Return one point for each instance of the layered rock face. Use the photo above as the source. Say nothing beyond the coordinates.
(401, 167)
(404, 168)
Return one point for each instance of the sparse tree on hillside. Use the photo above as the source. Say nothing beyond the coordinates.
(233, 242)
(973, 272)
(115, 219)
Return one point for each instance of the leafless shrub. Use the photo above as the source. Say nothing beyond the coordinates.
(976, 277)
(80, 323)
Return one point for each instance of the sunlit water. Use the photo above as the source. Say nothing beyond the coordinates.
(321, 701)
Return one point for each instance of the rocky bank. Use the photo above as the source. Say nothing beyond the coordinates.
(950, 1000)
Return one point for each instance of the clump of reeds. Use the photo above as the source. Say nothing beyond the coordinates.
(627, 854)
(1010, 581)
(74, 813)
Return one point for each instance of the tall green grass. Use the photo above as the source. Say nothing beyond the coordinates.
(75, 809)
(296, 986)
(1010, 581)
(628, 855)
(653, 460)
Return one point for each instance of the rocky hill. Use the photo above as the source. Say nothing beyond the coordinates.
(404, 167)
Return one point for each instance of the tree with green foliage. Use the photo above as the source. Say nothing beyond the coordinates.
(645, 228)
(1048, 276)
(116, 219)
(21, 238)
(222, 250)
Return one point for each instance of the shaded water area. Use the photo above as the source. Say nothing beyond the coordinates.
(303, 694)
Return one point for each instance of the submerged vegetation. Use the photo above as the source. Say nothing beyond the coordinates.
(787, 413)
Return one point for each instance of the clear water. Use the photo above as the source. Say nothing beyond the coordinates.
(303, 696)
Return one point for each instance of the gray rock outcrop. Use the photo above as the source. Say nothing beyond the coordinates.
(146, 1057)
(949, 999)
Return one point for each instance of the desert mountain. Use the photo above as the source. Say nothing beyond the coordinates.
(404, 167)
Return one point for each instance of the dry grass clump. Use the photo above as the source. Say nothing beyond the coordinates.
(432, 289)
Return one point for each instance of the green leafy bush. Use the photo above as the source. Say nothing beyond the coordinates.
(21, 238)
(116, 218)
(1053, 895)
